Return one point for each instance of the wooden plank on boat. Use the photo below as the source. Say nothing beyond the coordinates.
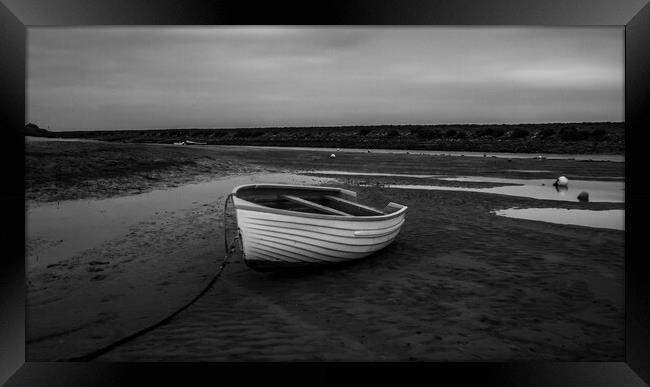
(356, 205)
(313, 205)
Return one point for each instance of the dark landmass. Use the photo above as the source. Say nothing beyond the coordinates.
(34, 131)
(586, 137)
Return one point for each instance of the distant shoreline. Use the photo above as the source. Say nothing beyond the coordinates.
(609, 157)
(558, 138)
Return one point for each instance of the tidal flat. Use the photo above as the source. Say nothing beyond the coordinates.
(460, 283)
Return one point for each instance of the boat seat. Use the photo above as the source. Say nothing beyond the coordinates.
(313, 205)
(353, 204)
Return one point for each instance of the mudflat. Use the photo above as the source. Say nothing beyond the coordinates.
(458, 284)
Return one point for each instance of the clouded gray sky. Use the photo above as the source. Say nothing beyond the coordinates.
(219, 77)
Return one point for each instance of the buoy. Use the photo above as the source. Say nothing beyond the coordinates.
(583, 196)
(561, 182)
(332, 156)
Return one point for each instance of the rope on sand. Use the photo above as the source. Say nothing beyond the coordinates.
(229, 249)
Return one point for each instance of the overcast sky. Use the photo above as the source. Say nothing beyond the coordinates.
(220, 77)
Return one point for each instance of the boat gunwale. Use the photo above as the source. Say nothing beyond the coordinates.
(391, 229)
(299, 223)
(250, 206)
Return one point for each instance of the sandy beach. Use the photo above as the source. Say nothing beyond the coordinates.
(458, 284)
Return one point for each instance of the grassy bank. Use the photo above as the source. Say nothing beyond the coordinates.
(63, 170)
(589, 137)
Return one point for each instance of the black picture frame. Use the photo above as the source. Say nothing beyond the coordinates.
(17, 15)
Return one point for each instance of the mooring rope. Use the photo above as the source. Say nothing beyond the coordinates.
(114, 345)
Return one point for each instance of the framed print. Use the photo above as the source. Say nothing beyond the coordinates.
(389, 190)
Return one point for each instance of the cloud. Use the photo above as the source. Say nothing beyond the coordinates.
(143, 77)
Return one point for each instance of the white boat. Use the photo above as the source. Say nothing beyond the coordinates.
(188, 142)
(292, 225)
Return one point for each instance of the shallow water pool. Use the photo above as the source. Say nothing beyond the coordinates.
(61, 230)
(610, 219)
(345, 173)
(599, 191)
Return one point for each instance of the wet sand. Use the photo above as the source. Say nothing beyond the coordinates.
(105, 293)
(458, 284)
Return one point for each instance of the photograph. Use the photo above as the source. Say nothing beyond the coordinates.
(279, 193)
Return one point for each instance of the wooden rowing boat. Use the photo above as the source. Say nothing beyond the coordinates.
(293, 225)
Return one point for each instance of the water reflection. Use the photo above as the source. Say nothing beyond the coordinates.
(562, 191)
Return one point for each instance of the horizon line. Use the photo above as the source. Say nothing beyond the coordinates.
(333, 126)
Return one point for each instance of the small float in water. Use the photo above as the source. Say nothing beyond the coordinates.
(561, 181)
(292, 225)
(583, 196)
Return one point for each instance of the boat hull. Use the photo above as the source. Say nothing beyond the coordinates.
(272, 238)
